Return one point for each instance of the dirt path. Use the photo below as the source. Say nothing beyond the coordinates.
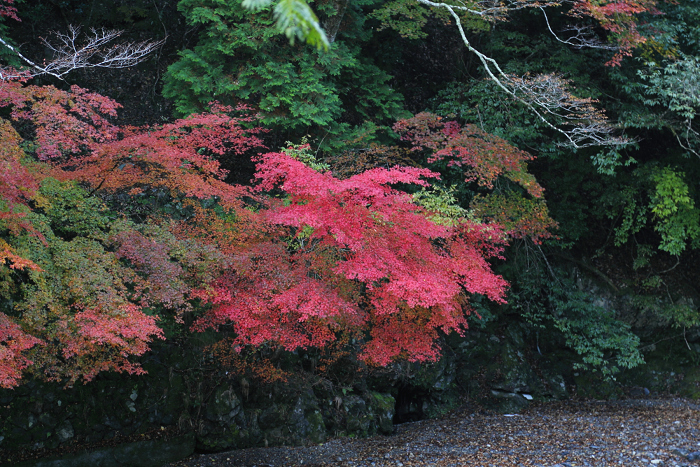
(649, 432)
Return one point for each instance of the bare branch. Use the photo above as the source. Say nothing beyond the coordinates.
(69, 55)
(582, 123)
(688, 134)
(583, 36)
(495, 10)
(547, 96)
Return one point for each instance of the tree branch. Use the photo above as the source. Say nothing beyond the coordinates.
(584, 36)
(69, 55)
(580, 122)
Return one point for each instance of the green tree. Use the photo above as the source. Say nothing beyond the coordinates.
(241, 57)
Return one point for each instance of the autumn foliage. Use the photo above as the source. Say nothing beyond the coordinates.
(7, 9)
(620, 19)
(483, 159)
(360, 255)
(108, 233)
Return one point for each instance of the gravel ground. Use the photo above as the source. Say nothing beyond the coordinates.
(649, 432)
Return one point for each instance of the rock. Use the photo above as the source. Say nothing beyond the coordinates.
(511, 372)
(112, 423)
(507, 402)
(149, 453)
(383, 406)
(306, 420)
(638, 392)
(680, 451)
(224, 406)
(357, 419)
(65, 431)
(48, 420)
(273, 416)
(593, 385)
(555, 386)
(316, 431)
(250, 433)
(276, 437)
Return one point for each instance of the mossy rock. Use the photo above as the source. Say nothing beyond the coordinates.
(251, 434)
(436, 376)
(316, 431)
(657, 375)
(220, 439)
(357, 417)
(277, 436)
(438, 404)
(555, 386)
(274, 416)
(384, 407)
(224, 405)
(512, 373)
(174, 401)
(305, 421)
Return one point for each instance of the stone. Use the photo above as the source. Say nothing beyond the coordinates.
(690, 386)
(48, 420)
(357, 419)
(555, 386)
(638, 392)
(383, 406)
(507, 402)
(65, 431)
(511, 372)
(316, 431)
(273, 416)
(223, 406)
(149, 453)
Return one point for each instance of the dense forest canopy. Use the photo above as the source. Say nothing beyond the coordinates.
(357, 177)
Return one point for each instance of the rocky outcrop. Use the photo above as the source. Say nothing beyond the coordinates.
(147, 453)
(215, 411)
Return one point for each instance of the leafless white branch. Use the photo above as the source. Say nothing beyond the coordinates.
(493, 10)
(686, 137)
(547, 96)
(69, 54)
(580, 120)
(582, 37)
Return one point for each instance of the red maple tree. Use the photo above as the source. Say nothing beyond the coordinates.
(300, 259)
(354, 255)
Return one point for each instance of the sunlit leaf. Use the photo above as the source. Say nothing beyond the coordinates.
(298, 21)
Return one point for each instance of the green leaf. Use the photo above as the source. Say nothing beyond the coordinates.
(256, 5)
(298, 21)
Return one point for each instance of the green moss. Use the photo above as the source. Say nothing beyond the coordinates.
(317, 429)
(383, 406)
